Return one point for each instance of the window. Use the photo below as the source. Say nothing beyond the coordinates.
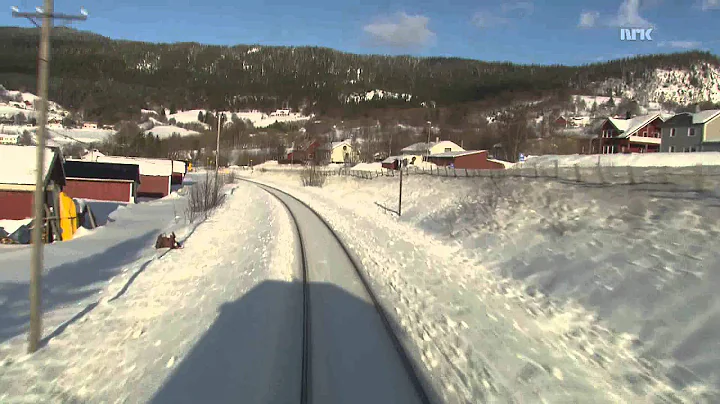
(671, 149)
(672, 132)
(686, 149)
(692, 149)
(447, 149)
(691, 131)
(644, 133)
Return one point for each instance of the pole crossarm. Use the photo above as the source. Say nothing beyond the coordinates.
(55, 16)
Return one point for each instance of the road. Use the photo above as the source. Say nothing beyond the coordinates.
(352, 357)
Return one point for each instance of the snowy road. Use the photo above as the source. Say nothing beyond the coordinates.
(352, 358)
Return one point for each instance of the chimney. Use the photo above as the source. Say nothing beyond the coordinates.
(628, 115)
(437, 140)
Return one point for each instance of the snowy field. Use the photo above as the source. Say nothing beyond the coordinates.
(258, 119)
(532, 290)
(166, 131)
(624, 160)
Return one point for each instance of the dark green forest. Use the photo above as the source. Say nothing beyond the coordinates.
(111, 80)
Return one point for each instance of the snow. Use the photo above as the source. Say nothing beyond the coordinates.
(258, 119)
(178, 166)
(19, 164)
(87, 135)
(153, 167)
(190, 116)
(368, 167)
(620, 160)
(529, 290)
(10, 226)
(130, 323)
(166, 131)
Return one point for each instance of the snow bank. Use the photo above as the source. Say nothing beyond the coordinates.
(620, 160)
(611, 286)
(153, 167)
(156, 329)
(166, 131)
(367, 167)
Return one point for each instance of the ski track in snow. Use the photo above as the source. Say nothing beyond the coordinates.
(483, 336)
(123, 350)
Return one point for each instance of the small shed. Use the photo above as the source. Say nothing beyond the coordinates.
(17, 180)
(392, 163)
(470, 159)
(102, 181)
(179, 169)
(155, 174)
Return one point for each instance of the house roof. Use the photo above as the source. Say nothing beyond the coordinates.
(391, 159)
(628, 127)
(424, 146)
(19, 164)
(99, 170)
(151, 167)
(704, 116)
(454, 154)
(334, 145)
(179, 167)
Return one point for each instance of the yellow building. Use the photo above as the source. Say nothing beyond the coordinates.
(341, 152)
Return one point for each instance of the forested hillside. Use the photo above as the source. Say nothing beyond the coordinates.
(112, 79)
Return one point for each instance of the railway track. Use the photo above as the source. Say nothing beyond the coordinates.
(339, 345)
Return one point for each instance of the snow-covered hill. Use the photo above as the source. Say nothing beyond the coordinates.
(377, 95)
(697, 84)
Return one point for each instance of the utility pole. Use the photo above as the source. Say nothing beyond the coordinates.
(427, 152)
(217, 150)
(36, 260)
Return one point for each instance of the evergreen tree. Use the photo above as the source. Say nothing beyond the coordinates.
(200, 118)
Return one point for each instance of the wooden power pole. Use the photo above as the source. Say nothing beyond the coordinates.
(47, 15)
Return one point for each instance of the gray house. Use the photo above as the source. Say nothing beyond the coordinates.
(688, 132)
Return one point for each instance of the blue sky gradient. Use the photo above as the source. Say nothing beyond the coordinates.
(569, 32)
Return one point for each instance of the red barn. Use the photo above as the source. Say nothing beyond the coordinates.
(636, 135)
(155, 174)
(101, 181)
(305, 152)
(469, 159)
(17, 180)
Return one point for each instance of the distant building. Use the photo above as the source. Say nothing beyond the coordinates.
(688, 132)
(469, 159)
(9, 139)
(101, 181)
(90, 125)
(281, 112)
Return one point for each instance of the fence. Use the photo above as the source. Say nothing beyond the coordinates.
(692, 178)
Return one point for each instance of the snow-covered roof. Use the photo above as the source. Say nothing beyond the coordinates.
(704, 116)
(452, 154)
(628, 127)
(150, 167)
(335, 145)
(391, 159)
(418, 147)
(178, 166)
(18, 164)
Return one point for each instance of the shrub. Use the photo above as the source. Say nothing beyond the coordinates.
(312, 177)
(205, 196)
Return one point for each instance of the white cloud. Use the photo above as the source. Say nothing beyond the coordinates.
(507, 13)
(709, 4)
(401, 31)
(588, 19)
(680, 44)
(628, 16)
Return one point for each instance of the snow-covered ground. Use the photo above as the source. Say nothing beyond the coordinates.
(624, 160)
(531, 290)
(258, 119)
(166, 131)
(127, 323)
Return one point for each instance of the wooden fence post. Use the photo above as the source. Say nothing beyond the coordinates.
(600, 174)
(631, 174)
(577, 173)
(536, 170)
(557, 169)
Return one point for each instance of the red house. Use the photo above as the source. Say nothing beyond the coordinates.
(635, 135)
(101, 181)
(469, 159)
(305, 152)
(17, 180)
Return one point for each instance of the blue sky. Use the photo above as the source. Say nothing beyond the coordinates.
(524, 31)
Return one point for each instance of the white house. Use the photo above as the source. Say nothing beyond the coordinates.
(419, 150)
(9, 139)
(90, 125)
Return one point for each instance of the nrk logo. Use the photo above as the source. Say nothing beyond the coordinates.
(636, 34)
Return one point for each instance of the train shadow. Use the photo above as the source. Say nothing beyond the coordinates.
(253, 352)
